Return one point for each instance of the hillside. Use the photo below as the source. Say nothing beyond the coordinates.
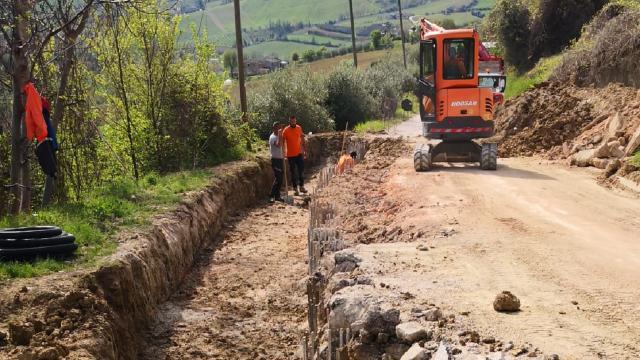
(307, 24)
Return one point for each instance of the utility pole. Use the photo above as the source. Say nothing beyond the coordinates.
(404, 52)
(243, 90)
(353, 35)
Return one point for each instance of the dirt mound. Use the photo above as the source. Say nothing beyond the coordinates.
(365, 212)
(541, 119)
(589, 126)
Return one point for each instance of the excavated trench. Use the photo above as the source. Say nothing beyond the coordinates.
(104, 313)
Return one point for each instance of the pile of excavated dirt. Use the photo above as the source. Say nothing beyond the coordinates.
(597, 127)
(366, 210)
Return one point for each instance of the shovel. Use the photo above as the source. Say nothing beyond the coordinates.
(286, 198)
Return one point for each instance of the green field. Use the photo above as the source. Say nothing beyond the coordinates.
(217, 20)
(281, 49)
(320, 40)
(433, 9)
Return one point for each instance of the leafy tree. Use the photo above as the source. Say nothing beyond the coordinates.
(386, 41)
(309, 55)
(376, 39)
(295, 57)
(230, 60)
(292, 91)
(347, 97)
(557, 23)
(512, 20)
(448, 24)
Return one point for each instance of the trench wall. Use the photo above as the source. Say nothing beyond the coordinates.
(150, 266)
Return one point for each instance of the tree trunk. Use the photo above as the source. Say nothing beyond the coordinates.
(19, 162)
(58, 109)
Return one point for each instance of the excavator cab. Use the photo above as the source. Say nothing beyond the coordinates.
(454, 108)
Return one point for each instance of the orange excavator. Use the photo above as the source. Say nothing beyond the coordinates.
(454, 107)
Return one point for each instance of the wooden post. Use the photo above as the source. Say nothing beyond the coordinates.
(404, 52)
(353, 35)
(239, 46)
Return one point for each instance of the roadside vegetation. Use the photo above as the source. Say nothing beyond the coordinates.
(518, 83)
(137, 120)
(328, 101)
(382, 125)
(635, 159)
(115, 206)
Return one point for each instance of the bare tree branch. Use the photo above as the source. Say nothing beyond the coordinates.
(84, 13)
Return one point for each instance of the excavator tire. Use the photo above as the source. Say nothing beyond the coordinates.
(422, 158)
(489, 157)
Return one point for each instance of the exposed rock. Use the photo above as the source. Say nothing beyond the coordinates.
(363, 352)
(49, 354)
(346, 255)
(346, 261)
(552, 357)
(634, 143)
(612, 167)
(20, 334)
(442, 353)
(415, 352)
(489, 340)
(583, 158)
(411, 332)
(615, 124)
(506, 302)
(433, 315)
(609, 149)
(600, 163)
(395, 351)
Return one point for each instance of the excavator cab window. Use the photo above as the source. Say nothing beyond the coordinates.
(427, 83)
(458, 59)
(428, 61)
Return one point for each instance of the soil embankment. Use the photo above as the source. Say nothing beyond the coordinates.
(589, 127)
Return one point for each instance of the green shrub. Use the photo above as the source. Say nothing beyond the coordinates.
(510, 20)
(347, 97)
(386, 80)
(557, 23)
(293, 91)
(635, 159)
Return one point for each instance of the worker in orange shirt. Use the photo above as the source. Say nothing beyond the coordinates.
(293, 137)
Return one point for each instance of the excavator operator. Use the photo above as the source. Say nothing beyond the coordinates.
(454, 65)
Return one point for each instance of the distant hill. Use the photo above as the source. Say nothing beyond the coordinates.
(281, 27)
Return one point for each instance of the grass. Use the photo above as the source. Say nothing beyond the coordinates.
(320, 40)
(117, 206)
(519, 83)
(365, 59)
(379, 125)
(635, 159)
(281, 49)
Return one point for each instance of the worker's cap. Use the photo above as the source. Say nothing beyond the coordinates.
(276, 124)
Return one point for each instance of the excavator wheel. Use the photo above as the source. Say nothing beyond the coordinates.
(489, 157)
(422, 158)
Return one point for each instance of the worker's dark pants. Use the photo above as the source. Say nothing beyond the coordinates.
(278, 169)
(296, 166)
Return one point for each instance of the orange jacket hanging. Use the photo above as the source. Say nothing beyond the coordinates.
(36, 127)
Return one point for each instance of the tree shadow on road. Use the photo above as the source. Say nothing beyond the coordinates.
(502, 171)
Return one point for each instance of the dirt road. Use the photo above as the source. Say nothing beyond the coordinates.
(569, 248)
